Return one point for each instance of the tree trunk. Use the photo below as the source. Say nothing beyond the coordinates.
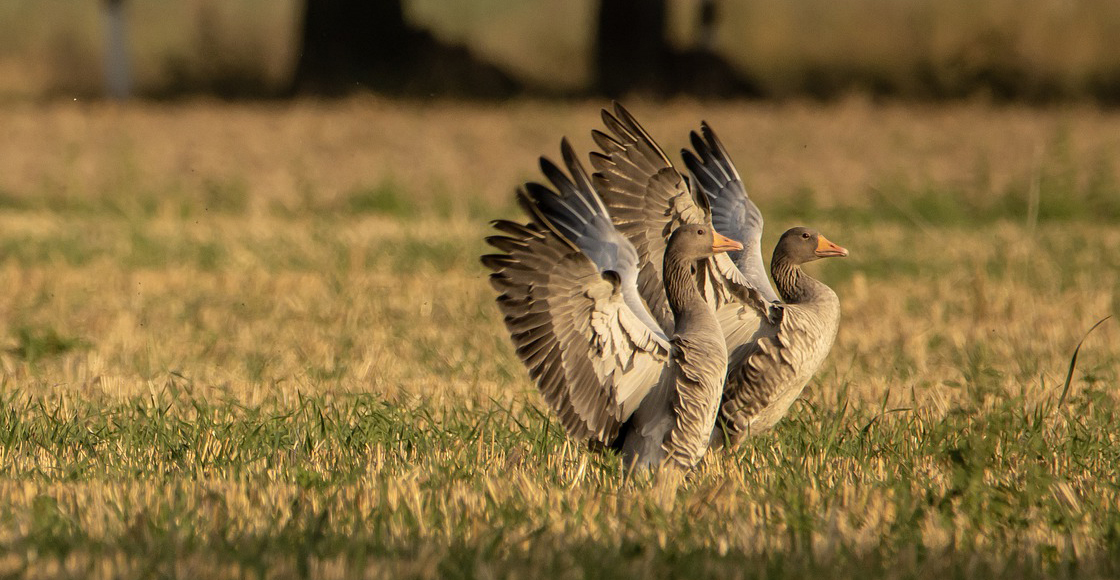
(367, 44)
(630, 46)
(352, 41)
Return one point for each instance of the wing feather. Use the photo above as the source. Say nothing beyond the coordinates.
(568, 290)
(733, 212)
(647, 198)
(590, 356)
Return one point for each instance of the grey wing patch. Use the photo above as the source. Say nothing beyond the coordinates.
(741, 310)
(573, 211)
(733, 213)
(738, 290)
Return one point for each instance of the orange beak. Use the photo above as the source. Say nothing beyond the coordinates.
(721, 243)
(827, 249)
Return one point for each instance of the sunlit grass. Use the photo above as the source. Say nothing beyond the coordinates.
(227, 381)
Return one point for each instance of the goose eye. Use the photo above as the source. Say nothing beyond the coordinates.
(700, 231)
(805, 235)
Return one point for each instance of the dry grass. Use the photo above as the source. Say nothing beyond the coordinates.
(289, 155)
(246, 339)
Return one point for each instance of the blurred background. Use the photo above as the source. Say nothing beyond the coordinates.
(1007, 50)
(244, 326)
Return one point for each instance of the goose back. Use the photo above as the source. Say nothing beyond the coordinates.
(767, 373)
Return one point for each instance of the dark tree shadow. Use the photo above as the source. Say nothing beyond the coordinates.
(352, 45)
(633, 55)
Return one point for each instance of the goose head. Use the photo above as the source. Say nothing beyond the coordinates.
(799, 245)
(697, 241)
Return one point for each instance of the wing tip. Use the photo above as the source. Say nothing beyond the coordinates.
(496, 262)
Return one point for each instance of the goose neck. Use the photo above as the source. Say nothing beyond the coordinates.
(684, 297)
(793, 284)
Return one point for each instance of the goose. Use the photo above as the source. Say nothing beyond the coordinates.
(776, 340)
(567, 284)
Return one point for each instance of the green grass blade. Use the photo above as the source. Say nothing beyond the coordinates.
(1073, 362)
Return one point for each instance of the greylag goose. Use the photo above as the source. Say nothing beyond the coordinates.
(776, 340)
(568, 290)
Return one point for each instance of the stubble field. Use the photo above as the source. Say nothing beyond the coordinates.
(256, 341)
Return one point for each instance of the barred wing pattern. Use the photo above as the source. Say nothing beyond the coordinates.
(563, 281)
(648, 199)
(765, 376)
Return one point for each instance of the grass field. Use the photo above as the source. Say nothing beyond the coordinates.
(255, 341)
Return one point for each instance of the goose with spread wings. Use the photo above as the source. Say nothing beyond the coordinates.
(776, 340)
(568, 285)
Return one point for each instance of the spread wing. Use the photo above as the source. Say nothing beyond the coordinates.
(756, 308)
(648, 199)
(733, 213)
(567, 289)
